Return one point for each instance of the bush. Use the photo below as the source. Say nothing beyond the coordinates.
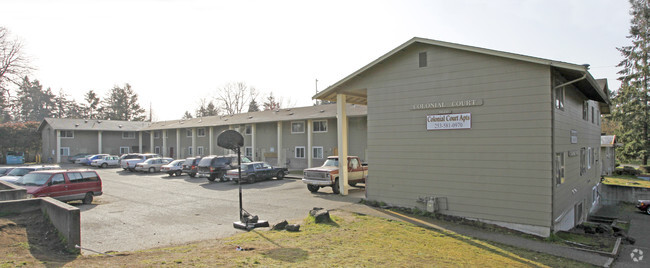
(645, 169)
(627, 170)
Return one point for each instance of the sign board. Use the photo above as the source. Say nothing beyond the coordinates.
(574, 136)
(449, 121)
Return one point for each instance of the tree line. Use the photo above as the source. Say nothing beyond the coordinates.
(234, 98)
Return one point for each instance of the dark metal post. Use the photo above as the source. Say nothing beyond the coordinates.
(241, 208)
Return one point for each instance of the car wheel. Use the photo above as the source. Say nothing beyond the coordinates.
(178, 173)
(104, 165)
(88, 199)
(335, 187)
(353, 184)
(280, 175)
(312, 188)
(152, 170)
(647, 210)
(251, 179)
(193, 175)
(212, 177)
(223, 178)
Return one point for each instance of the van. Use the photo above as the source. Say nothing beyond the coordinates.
(63, 185)
(214, 166)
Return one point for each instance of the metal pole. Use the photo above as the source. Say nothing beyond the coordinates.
(241, 216)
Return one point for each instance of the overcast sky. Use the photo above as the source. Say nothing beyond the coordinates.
(175, 52)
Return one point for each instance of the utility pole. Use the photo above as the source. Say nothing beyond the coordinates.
(316, 101)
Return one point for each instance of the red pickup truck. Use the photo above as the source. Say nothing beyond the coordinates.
(328, 174)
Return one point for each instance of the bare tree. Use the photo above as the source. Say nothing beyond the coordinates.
(234, 97)
(13, 67)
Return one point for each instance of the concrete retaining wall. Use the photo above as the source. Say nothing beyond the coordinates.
(9, 191)
(612, 195)
(66, 218)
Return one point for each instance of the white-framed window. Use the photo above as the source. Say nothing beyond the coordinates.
(156, 134)
(297, 127)
(319, 126)
(559, 98)
(583, 160)
(128, 135)
(189, 151)
(593, 116)
(248, 130)
(65, 151)
(559, 168)
(156, 150)
(585, 110)
(300, 151)
(200, 132)
(189, 133)
(317, 152)
(67, 134)
(124, 150)
(248, 152)
(590, 157)
(199, 150)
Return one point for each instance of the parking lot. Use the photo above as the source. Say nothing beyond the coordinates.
(139, 210)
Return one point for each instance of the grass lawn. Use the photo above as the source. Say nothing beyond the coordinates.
(626, 180)
(352, 240)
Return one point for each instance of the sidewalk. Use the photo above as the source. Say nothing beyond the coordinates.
(512, 240)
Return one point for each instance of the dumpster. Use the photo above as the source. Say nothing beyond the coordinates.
(15, 158)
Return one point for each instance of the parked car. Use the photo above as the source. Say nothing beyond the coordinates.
(213, 166)
(89, 159)
(64, 185)
(256, 171)
(5, 170)
(152, 165)
(74, 158)
(127, 157)
(19, 172)
(328, 174)
(191, 165)
(643, 205)
(106, 161)
(173, 168)
(130, 161)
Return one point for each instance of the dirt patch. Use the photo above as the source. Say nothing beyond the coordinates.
(28, 239)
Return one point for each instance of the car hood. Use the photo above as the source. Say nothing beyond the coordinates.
(31, 189)
(323, 169)
(10, 178)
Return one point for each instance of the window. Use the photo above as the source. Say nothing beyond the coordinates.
(248, 152)
(189, 151)
(583, 160)
(354, 163)
(317, 152)
(65, 151)
(320, 126)
(189, 133)
(559, 168)
(124, 150)
(559, 98)
(297, 127)
(156, 150)
(76, 177)
(128, 135)
(592, 115)
(422, 57)
(156, 134)
(67, 134)
(590, 158)
(300, 151)
(585, 110)
(200, 132)
(248, 130)
(199, 150)
(58, 179)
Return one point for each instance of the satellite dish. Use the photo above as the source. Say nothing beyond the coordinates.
(230, 139)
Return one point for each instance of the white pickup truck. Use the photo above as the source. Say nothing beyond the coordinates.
(129, 163)
(327, 175)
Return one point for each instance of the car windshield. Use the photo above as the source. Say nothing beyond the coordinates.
(20, 171)
(176, 162)
(331, 163)
(34, 179)
(205, 162)
(4, 170)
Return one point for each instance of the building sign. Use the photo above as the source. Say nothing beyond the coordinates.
(447, 104)
(574, 136)
(449, 121)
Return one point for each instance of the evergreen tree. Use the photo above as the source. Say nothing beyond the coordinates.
(253, 107)
(187, 115)
(32, 103)
(121, 103)
(271, 103)
(204, 109)
(631, 101)
(92, 104)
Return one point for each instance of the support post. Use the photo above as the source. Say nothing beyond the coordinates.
(140, 142)
(210, 140)
(163, 135)
(310, 134)
(179, 152)
(253, 134)
(342, 137)
(279, 150)
(99, 142)
(58, 146)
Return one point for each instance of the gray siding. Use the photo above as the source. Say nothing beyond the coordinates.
(499, 170)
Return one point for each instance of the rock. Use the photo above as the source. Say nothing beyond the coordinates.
(616, 229)
(314, 211)
(589, 230)
(280, 226)
(604, 229)
(630, 240)
(292, 227)
(321, 216)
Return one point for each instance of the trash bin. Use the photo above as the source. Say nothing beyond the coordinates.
(15, 158)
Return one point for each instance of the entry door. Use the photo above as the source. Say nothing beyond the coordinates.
(171, 152)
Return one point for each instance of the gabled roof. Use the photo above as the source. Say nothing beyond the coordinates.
(285, 114)
(588, 86)
(92, 124)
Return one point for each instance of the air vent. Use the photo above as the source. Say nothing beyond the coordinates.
(76, 125)
(322, 111)
(250, 117)
(291, 113)
(85, 121)
(423, 59)
(120, 126)
(99, 121)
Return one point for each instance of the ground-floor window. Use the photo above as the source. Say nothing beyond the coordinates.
(199, 150)
(300, 151)
(189, 151)
(559, 168)
(156, 150)
(317, 152)
(248, 152)
(65, 151)
(124, 150)
(578, 211)
(583, 161)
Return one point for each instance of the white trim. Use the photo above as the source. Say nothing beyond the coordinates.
(63, 149)
(313, 126)
(198, 132)
(200, 150)
(295, 153)
(156, 150)
(316, 156)
(246, 152)
(190, 151)
(296, 132)
(188, 133)
(128, 149)
(68, 131)
(248, 130)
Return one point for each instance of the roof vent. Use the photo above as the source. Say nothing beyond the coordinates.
(322, 111)
(225, 119)
(76, 125)
(86, 121)
(250, 117)
(99, 121)
(120, 125)
(291, 113)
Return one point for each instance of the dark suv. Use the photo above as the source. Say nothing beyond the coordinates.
(191, 165)
(215, 166)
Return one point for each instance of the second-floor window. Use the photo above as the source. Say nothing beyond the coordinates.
(128, 135)
(320, 126)
(67, 134)
(200, 132)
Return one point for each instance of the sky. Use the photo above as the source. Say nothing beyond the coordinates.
(174, 53)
